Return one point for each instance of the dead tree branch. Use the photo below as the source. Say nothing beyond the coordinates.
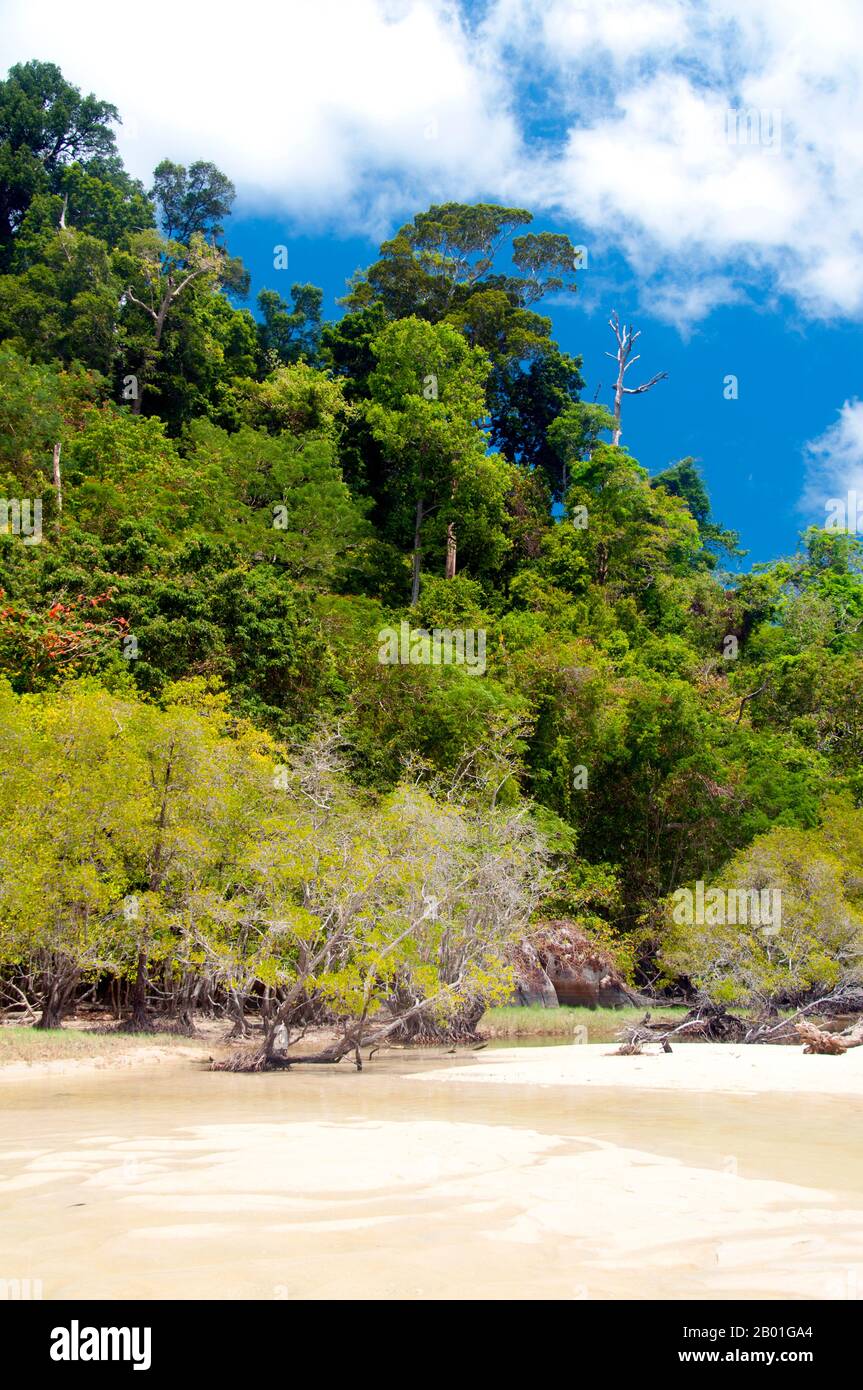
(626, 337)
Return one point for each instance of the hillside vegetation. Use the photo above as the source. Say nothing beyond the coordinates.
(239, 769)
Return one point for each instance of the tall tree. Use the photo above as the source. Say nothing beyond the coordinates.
(158, 274)
(433, 264)
(192, 201)
(684, 480)
(289, 333)
(45, 125)
(427, 397)
(525, 399)
(447, 265)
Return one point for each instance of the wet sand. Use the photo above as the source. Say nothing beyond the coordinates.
(175, 1182)
(137, 1058)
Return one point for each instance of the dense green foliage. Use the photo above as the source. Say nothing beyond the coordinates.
(247, 502)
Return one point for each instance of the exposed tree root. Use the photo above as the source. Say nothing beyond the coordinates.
(181, 1027)
(249, 1062)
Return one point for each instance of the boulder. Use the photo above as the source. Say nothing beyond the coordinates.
(532, 985)
(560, 955)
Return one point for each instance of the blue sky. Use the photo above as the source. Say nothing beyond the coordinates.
(708, 153)
(790, 371)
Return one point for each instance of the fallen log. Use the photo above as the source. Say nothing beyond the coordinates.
(816, 1040)
(830, 1044)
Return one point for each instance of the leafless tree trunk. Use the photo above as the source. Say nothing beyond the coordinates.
(450, 551)
(58, 486)
(415, 584)
(626, 337)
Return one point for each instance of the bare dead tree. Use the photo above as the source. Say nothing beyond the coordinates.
(626, 337)
(451, 544)
(58, 487)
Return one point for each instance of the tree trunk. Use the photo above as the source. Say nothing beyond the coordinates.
(51, 1015)
(451, 545)
(618, 405)
(58, 487)
(415, 586)
(240, 1027)
(139, 1019)
(450, 551)
(58, 997)
(266, 1007)
(601, 563)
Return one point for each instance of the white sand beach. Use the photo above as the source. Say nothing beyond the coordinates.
(709, 1067)
(574, 1175)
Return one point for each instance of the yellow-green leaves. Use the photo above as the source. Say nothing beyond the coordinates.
(130, 833)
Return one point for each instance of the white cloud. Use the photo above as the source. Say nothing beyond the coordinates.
(328, 109)
(563, 32)
(683, 304)
(834, 461)
(359, 112)
(782, 199)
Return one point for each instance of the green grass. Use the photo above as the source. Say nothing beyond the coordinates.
(603, 1025)
(55, 1044)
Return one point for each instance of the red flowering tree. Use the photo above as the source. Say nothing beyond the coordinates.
(64, 640)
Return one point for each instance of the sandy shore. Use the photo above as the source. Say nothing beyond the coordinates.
(545, 1172)
(305, 1185)
(706, 1067)
(132, 1058)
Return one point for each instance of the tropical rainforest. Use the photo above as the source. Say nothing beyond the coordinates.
(211, 785)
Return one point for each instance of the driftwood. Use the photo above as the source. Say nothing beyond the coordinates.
(712, 1023)
(831, 1044)
(709, 1022)
(848, 999)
